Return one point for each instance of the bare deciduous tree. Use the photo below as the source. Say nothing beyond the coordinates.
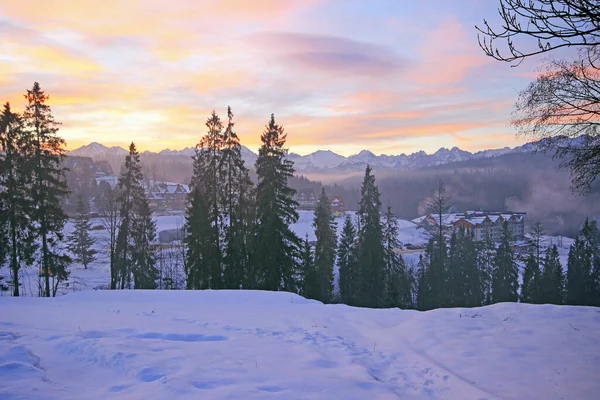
(108, 207)
(542, 26)
(560, 109)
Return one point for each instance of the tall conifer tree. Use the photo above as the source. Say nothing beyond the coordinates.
(505, 284)
(16, 221)
(325, 231)
(438, 206)
(198, 241)
(485, 262)
(80, 241)
(208, 174)
(310, 277)
(143, 253)
(236, 200)
(347, 262)
(131, 200)
(397, 280)
(49, 188)
(583, 268)
(276, 250)
(454, 273)
(371, 253)
(423, 289)
(531, 289)
(552, 278)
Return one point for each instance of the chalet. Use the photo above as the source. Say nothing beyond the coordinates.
(337, 205)
(306, 199)
(103, 168)
(482, 224)
(167, 195)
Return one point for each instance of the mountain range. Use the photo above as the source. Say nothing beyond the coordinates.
(326, 160)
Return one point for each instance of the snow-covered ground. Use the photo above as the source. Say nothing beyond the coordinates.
(261, 345)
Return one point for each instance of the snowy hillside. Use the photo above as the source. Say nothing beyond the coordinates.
(258, 345)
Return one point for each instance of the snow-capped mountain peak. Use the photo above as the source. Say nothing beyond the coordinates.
(98, 150)
(327, 160)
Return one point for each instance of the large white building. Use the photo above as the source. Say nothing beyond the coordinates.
(481, 223)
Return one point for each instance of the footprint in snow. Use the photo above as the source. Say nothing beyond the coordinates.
(271, 389)
(150, 375)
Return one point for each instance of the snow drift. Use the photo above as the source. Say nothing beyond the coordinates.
(251, 344)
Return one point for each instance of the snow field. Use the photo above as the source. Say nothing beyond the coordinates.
(252, 344)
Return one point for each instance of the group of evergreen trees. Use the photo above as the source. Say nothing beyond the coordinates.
(461, 272)
(238, 235)
(32, 187)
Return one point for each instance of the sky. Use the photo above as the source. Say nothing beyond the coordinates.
(391, 76)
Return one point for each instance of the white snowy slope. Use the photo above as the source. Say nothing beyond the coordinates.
(262, 345)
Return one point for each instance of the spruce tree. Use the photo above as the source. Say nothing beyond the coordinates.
(578, 273)
(80, 242)
(552, 278)
(325, 231)
(531, 289)
(236, 201)
(204, 219)
(18, 230)
(143, 253)
(276, 250)
(438, 206)
(347, 262)
(464, 283)
(371, 253)
(397, 280)
(591, 235)
(485, 264)
(310, 276)
(208, 174)
(130, 193)
(473, 283)
(454, 273)
(582, 267)
(437, 262)
(49, 188)
(505, 283)
(198, 241)
(423, 289)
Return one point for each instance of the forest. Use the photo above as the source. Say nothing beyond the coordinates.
(237, 233)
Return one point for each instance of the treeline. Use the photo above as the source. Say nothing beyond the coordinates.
(462, 272)
(237, 233)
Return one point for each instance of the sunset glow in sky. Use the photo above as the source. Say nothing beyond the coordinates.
(392, 76)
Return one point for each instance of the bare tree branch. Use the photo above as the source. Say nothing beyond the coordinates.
(544, 26)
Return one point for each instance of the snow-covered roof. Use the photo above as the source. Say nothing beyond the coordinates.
(473, 217)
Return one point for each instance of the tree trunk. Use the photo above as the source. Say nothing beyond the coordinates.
(45, 262)
(14, 259)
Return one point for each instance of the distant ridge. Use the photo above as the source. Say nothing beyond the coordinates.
(328, 161)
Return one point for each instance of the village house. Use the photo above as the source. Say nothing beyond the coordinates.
(306, 199)
(167, 196)
(337, 205)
